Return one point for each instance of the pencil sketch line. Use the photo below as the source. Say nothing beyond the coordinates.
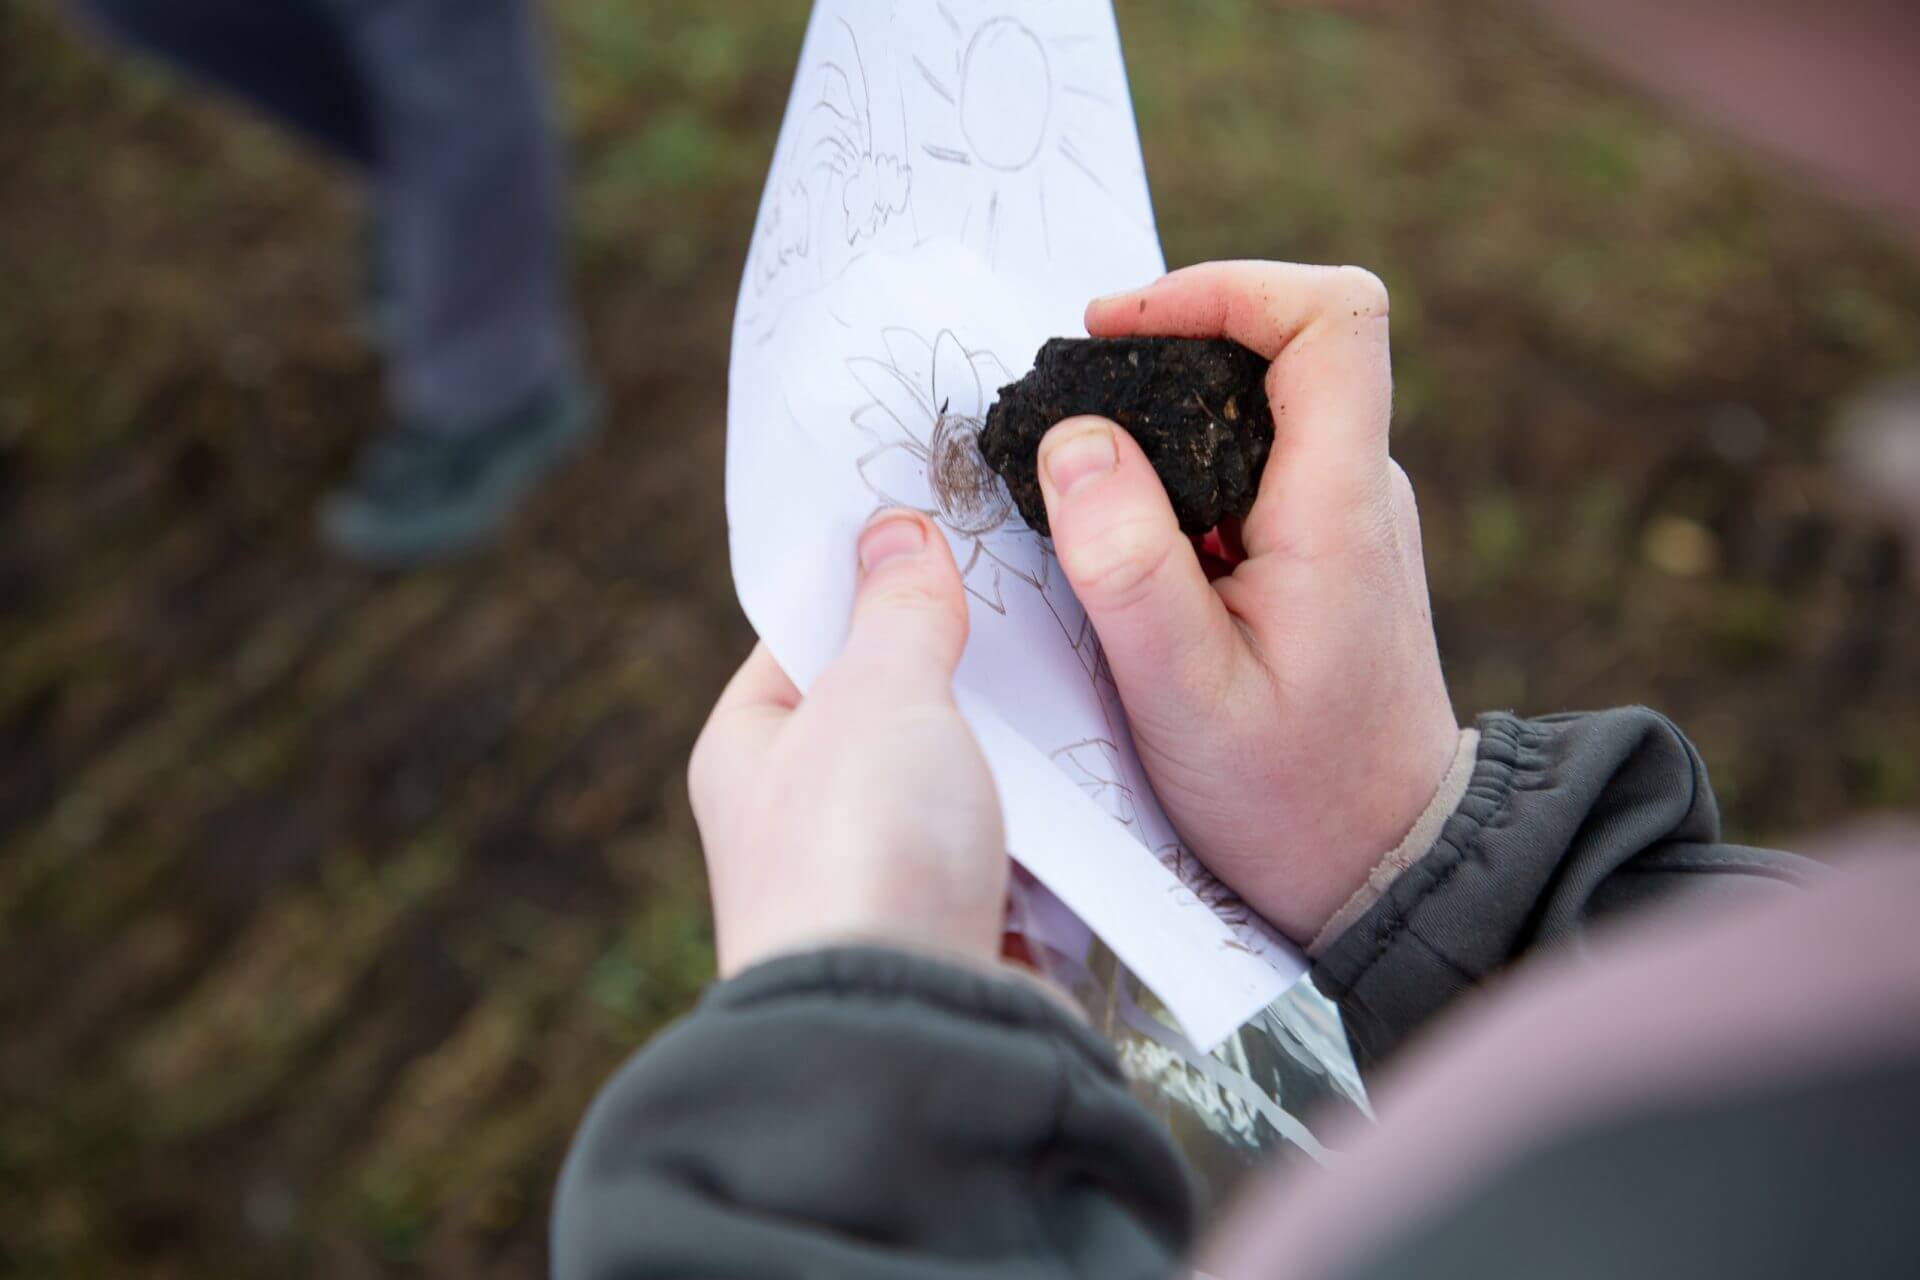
(906, 141)
(866, 91)
(934, 464)
(1046, 231)
(998, 148)
(1073, 157)
(843, 117)
(1080, 91)
(933, 81)
(842, 149)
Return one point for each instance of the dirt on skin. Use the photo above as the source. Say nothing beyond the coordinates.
(1196, 407)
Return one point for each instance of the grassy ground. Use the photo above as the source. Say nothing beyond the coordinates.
(327, 899)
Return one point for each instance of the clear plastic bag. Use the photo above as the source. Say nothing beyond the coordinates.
(1252, 1103)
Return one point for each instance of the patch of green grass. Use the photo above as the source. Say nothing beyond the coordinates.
(1750, 626)
(1599, 156)
(1496, 536)
(1883, 772)
(653, 965)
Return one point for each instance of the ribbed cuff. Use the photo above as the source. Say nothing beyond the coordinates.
(1425, 830)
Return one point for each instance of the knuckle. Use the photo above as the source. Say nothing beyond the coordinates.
(1363, 292)
(926, 617)
(1118, 569)
(1403, 496)
(1406, 509)
(840, 682)
(916, 596)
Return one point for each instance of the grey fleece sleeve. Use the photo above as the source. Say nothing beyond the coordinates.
(867, 1113)
(1567, 820)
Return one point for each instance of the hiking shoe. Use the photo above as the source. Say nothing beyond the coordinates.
(420, 495)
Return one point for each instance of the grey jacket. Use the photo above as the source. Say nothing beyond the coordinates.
(871, 1113)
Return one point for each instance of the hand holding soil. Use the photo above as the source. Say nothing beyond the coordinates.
(1291, 712)
(1196, 406)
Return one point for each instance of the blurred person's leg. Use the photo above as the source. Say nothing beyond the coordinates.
(444, 105)
(467, 181)
(286, 59)
(467, 186)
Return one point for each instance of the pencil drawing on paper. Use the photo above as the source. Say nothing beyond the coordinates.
(929, 401)
(836, 184)
(1101, 769)
(873, 184)
(974, 118)
(1004, 110)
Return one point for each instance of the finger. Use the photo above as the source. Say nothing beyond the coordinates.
(741, 726)
(909, 610)
(1331, 384)
(1164, 630)
(1260, 305)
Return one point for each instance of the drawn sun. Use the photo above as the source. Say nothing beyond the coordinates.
(1012, 111)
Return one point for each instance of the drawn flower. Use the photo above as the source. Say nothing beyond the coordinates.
(929, 403)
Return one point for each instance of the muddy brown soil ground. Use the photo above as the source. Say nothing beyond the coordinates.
(327, 898)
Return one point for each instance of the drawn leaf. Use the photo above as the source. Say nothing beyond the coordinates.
(1019, 552)
(981, 577)
(991, 372)
(897, 474)
(956, 387)
(905, 404)
(912, 356)
(875, 421)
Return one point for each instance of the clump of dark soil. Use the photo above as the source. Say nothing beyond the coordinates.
(1197, 407)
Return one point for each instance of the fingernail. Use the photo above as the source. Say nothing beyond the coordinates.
(1084, 456)
(891, 536)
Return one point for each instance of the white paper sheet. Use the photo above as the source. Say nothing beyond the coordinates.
(953, 181)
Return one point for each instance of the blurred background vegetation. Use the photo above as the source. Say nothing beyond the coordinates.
(327, 899)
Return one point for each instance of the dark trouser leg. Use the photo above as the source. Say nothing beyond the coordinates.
(284, 57)
(468, 182)
(445, 103)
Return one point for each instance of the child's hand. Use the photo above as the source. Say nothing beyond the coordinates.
(865, 811)
(1291, 714)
